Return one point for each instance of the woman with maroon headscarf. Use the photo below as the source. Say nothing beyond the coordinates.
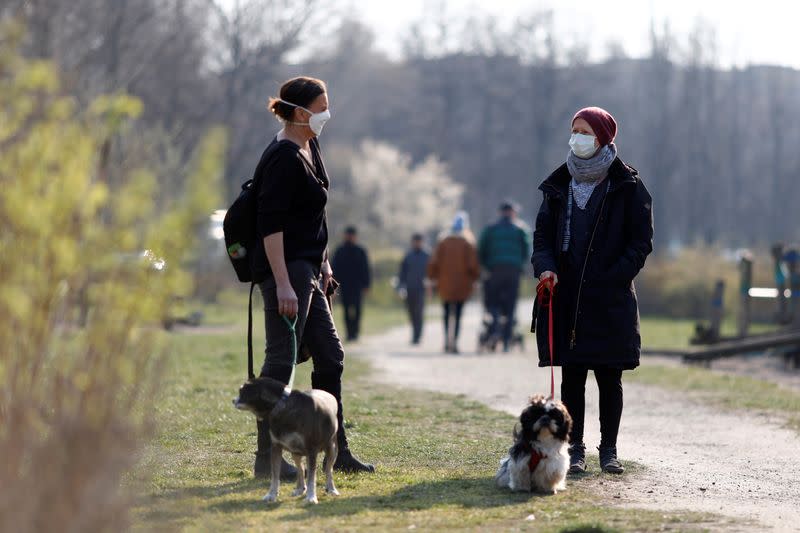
(593, 232)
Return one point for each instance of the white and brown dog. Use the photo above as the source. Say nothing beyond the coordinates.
(538, 461)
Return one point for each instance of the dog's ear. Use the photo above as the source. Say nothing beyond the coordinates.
(531, 414)
(527, 419)
(566, 427)
(517, 431)
(268, 395)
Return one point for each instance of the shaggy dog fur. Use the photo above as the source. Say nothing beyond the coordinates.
(538, 461)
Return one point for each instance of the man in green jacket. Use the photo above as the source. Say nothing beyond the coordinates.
(504, 250)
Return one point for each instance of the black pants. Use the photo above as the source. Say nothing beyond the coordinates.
(573, 390)
(415, 304)
(452, 309)
(352, 314)
(314, 329)
(501, 291)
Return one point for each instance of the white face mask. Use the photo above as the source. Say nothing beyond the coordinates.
(582, 145)
(315, 122)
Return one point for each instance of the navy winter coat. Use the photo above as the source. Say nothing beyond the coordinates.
(596, 315)
(350, 264)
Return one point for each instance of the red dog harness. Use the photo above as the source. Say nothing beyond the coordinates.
(536, 458)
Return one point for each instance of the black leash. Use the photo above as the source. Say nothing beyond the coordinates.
(291, 325)
(250, 374)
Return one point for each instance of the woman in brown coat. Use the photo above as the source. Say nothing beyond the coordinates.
(454, 268)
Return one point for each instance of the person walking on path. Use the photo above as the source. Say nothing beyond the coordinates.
(454, 269)
(411, 284)
(504, 249)
(594, 231)
(351, 264)
(291, 257)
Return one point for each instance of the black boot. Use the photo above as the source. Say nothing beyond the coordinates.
(263, 465)
(345, 460)
(577, 458)
(608, 460)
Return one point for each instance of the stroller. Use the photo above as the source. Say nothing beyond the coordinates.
(489, 337)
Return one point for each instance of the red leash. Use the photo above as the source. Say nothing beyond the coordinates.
(545, 293)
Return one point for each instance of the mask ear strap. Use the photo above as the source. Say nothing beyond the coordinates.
(295, 105)
(281, 100)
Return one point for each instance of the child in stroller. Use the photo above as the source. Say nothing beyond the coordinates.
(493, 323)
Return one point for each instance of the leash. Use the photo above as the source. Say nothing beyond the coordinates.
(250, 374)
(290, 323)
(545, 293)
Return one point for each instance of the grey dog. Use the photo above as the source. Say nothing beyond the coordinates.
(304, 423)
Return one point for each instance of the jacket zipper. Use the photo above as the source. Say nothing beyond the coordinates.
(583, 273)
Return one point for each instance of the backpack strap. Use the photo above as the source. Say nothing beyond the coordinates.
(250, 374)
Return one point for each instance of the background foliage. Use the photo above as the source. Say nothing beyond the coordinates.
(91, 257)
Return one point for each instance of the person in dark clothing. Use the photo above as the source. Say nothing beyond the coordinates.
(411, 284)
(504, 249)
(292, 189)
(351, 264)
(593, 233)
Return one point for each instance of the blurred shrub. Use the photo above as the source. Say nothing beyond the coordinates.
(681, 286)
(385, 264)
(76, 402)
(381, 190)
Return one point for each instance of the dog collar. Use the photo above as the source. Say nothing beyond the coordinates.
(284, 396)
(535, 459)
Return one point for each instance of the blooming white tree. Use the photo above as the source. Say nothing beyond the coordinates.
(390, 198)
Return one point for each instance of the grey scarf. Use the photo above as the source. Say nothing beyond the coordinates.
(587, 173)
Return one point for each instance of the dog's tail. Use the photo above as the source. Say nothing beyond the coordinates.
(501, 478)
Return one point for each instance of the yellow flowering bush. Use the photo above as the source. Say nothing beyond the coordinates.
(87, 269)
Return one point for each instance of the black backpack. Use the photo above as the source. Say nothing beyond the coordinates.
(239, 227)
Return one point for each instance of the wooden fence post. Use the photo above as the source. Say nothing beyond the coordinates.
(780, 282)
(792, 258)
(745, 284)
(716, 309)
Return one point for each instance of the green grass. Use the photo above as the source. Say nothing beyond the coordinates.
(374, 318)
(436, 456)
(231, 310)
(725, 390)
(672, 333)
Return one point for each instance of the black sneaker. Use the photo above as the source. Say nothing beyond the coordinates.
(577, 458)
(608, 460)
(263, 468)
(347, 462)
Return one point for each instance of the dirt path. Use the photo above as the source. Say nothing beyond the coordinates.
(740, 465)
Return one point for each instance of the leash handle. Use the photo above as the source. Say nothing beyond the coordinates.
(545, 293)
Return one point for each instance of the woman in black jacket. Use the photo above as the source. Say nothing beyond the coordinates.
(292, 256)
(593, 232)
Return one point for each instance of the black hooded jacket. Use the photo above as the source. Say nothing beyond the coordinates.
(596, 315)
